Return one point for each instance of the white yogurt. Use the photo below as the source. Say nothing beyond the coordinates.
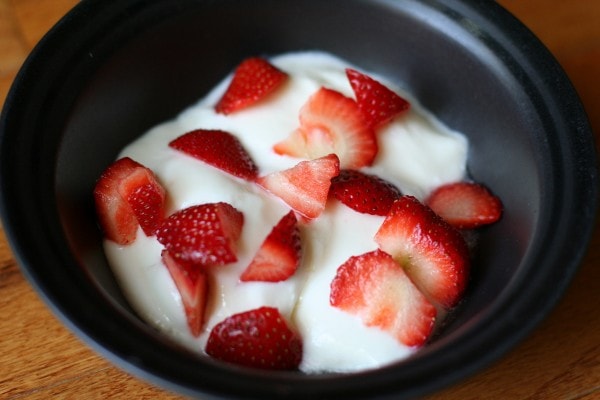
(416, 152)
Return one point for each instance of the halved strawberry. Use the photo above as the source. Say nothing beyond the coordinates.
(253, 80)
(331, 123)
(433, 253)
(377, 102)
(279, 255)
(374, 287)
(128, 195)
(259, 338)
(305, 186)
(192, 284)
(220, 149)
(367, 194)
(465, 205)
(203, 234)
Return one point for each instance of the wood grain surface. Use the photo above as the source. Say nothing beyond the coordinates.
(41, 359)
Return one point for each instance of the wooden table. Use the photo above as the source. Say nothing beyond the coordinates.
(41, 359)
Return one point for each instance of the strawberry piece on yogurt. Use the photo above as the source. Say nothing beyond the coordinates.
(259, 338)
(364, 193)
(331, 123)
(378, 104)
(465, 205)
(128, 195)
(192, 284)
(203, 235)
(305, 186)
(279, 255)
(220, 149)
(253, 80)
(375, 288)
(432, 252)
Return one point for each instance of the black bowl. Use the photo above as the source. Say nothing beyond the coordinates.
(112, 69)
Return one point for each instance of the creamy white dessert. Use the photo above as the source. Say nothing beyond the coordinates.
(417, 153)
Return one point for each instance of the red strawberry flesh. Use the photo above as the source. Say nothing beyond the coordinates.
(146, 198)
(259, 338)
(204, 234)
(128, 195)
(331, 123)
(304, 187)
(367, 194)
(432, 252)
(374, 287)
(192, 284)
(253, 80)
(378, 104)
(220, 149)
(465, 205)
(279, 255)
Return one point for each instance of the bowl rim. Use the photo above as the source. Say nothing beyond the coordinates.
(435, 369)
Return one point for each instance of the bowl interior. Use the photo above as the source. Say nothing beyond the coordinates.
(108, 79)
(166, 67)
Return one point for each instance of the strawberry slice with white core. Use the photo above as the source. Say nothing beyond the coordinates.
(203, 234)
(433, 253)
(374, 287)
(220, 149)
(259, 338)
(192, 284)
(305, 186)
(128, 195)
(331, 123)
(367, 194)
(279, 255)
(376, 101)
(253, 80)
(465, 205)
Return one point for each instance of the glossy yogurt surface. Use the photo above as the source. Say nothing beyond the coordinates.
(416, 152)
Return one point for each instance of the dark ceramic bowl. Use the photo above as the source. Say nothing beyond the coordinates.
(112, 69)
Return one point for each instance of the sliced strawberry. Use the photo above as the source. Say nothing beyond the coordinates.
(253, 80)
(433, 253)
(220, 149)
(374, 287)
(146, 198)
(259, 338)
(204, 234)
(128, 195)
(465, 205)
(279, 255)
(377, 102)
(305, 186)
(367, 194)
(192, 284)
(331, 123)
